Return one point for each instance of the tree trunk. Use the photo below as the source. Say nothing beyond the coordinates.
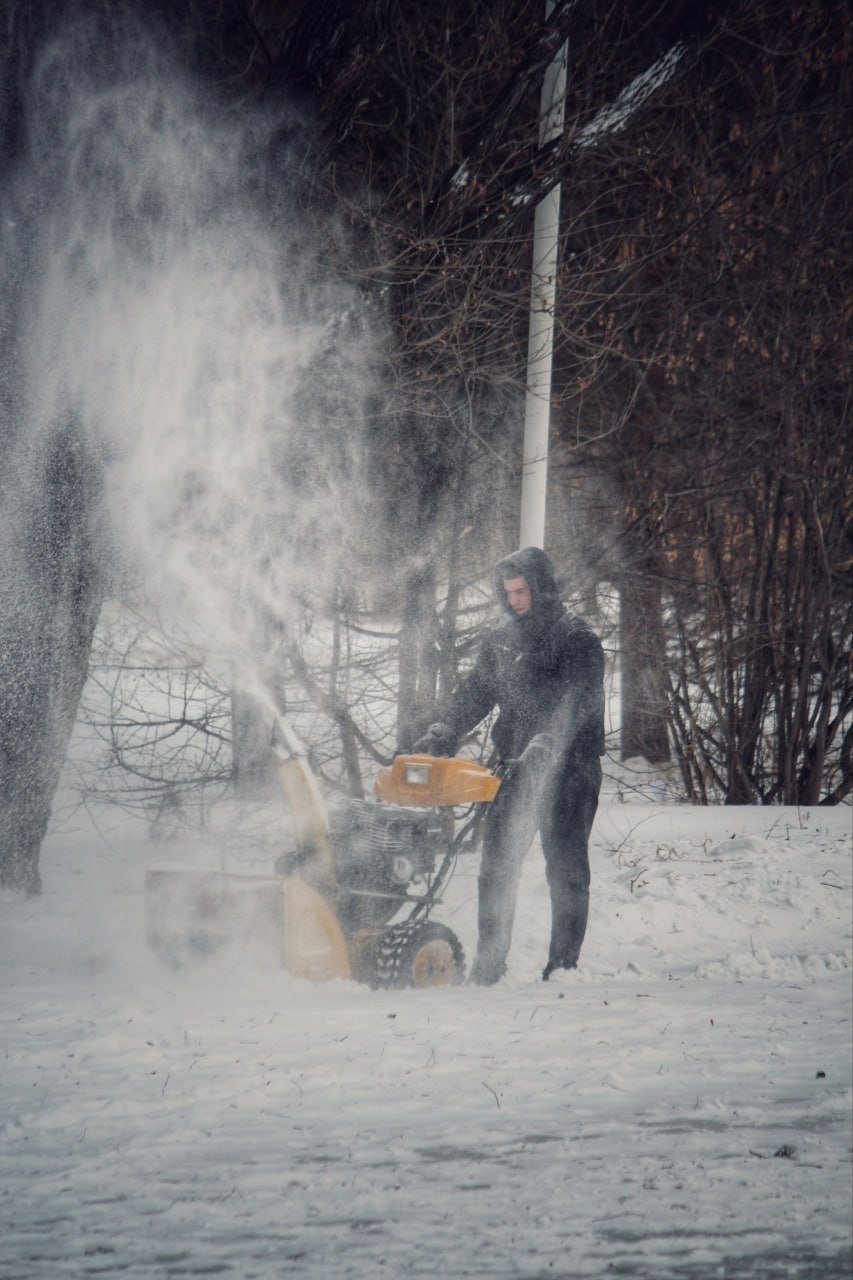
(641, 648)
(254, 766)
(418, 655)
(50, 597)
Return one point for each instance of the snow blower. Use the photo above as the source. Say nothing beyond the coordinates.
(332, 903)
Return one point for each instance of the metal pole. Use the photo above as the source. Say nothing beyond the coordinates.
(540, 343)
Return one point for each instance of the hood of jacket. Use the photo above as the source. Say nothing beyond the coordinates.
(532, 564)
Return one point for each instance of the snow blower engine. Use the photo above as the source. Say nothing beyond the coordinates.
(353, 897)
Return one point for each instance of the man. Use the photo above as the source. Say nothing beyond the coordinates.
(544, 669)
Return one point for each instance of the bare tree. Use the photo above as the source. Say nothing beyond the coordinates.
(51, 562)
(721, 405)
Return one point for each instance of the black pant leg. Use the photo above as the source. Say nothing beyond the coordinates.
(509, 830)
(568, 812)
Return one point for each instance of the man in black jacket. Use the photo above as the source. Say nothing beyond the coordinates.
(544, 669)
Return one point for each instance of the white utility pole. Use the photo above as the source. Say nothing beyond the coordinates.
(540, 343)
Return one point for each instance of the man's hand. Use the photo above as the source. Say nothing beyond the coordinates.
(538, 753)
(534, 759)
(439, 740)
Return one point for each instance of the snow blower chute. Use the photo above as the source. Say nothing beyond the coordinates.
(353, 897)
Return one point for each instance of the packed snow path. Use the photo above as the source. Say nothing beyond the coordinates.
(678, 1107)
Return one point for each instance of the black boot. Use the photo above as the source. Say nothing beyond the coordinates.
(556, 963)
(568, 927)
(485, 973)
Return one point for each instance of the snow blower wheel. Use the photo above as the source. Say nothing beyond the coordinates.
(418, 953)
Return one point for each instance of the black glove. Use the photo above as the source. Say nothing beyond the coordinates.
(538, 753)
(534, 759)
(439, 740)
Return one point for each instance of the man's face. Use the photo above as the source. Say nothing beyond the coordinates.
(518, 595)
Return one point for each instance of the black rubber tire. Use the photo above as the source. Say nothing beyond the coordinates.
(418, 953)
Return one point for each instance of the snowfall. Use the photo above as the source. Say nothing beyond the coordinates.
(679, 1106)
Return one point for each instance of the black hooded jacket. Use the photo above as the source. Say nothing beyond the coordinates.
(544, 670)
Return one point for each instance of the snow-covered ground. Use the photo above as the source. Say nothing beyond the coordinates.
(678, 1107)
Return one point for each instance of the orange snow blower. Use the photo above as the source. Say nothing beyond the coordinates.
(332, 904)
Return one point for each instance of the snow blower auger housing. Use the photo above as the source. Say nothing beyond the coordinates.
(334, 901)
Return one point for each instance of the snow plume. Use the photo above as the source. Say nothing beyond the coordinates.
(179, 313)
